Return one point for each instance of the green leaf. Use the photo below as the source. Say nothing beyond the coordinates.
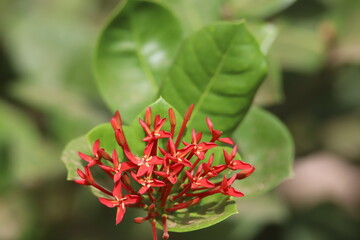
(71, 158)
(299, 48)
(254, 215)
(219, 70)
(73, 162)
(105, 133)
(266, 143)
(209, 211)
(133, 133)
(66, 121)
(255, 9)
(271, 90)
(194, 14)
(63, 30)
(30, 158)
(265, 34)
(133, 55)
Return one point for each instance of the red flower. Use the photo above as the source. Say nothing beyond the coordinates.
(226, 189)
(157, 133)
(216, 134)
(120, 202)
(98, 153)
(235, 164)
(147, 183)
(197, 148)
(86, 178)
(178, 155)
(212, 171)
(170, 172)
(198, 180)
(145, 162)
(174, 181)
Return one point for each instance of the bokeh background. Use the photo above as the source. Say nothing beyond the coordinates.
(48, 96)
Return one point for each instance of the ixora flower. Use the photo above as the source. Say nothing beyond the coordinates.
(171, 175)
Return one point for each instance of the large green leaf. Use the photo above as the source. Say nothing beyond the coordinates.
(209, 211)
(105, 133)
(194, 14)
(219, 70)
(270, 91)
(266, 143)
(73, 162)
(71, 158)
(254, 214)
(133, 55)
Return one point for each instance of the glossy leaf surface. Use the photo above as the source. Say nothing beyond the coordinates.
(133, 54)
(209, 211)
(265, 143)
(219, 70)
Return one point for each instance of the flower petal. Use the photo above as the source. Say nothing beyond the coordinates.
(233, 192)
(120, 213)
(109, 202)
(131, 199)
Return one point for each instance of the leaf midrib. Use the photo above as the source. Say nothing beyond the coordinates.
(213, 79)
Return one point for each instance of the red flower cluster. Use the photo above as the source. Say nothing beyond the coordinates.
(165, 179)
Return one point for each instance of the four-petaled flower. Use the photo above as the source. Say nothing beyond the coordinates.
(120, 202)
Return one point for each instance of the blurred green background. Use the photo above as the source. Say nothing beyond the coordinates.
(48, 97)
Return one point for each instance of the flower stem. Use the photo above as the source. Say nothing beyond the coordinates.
(153, 228)
(183, 126)
(95, 185)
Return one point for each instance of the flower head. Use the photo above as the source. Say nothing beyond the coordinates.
(170, 175)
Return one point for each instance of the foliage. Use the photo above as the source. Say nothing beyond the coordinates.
(217, 67)
(48, 97)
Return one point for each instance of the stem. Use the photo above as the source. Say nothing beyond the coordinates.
(172, 130)
(152, 199)
(172, 119)
(204, 194)
(195, 164)
(165, 194)
(153, 228)
(183, 191)
(95, 185)
(183, 126)
(165, 234)
(154, 148)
